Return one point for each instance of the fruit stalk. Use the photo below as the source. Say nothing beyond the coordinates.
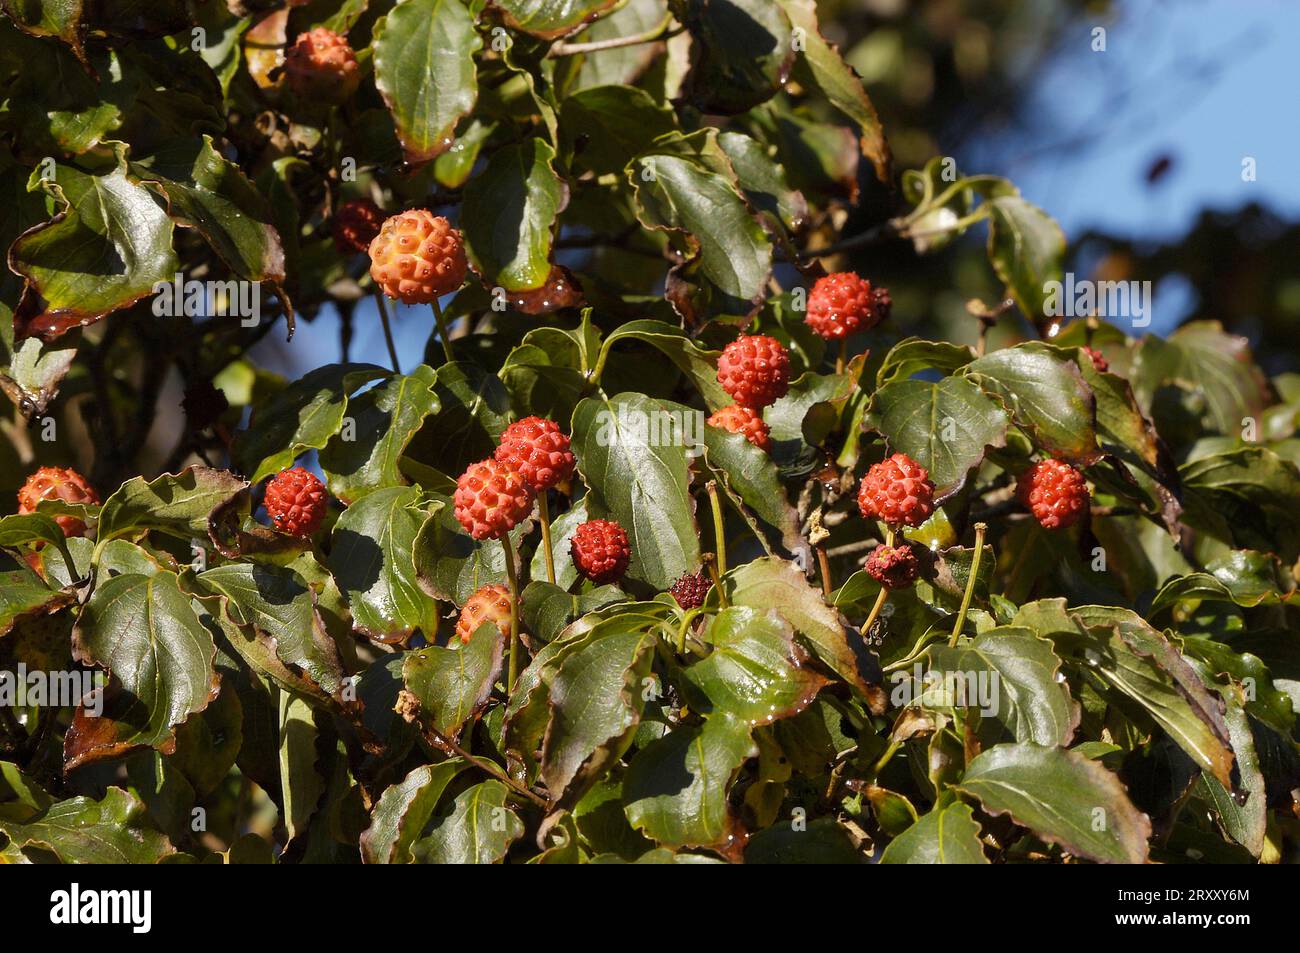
(544, 515)
(980, 529)
(512, 577)
(719, 539)
(443, 334)
(388, 329)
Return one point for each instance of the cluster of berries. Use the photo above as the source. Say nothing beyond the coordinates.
(495, 495)
(754, 370)
(898, 492)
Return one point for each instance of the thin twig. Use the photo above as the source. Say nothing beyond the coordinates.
(614, 43)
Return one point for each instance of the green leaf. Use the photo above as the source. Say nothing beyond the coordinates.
(837, 81)
(22, 596)
(302, 780)
(33, 376)
(604, 127)
(944, 426)
(778, 584)
(108, 247)
(1216, 366)
(675, 791)
(741, 53)
(278, 603)
(303, 416)
(372, 560)
(384, 421)
(57, 106)
(145, 631)
(451, 565)
(763, 180)
(62, 19)
(424, 69)
(404, 811)
(473, 410)
(210, 193)
(754, 672)
(547, 609)
(1139, 663)
(619, 64)
(1062, 797)
(479, 829)
(913, 355)
(1246, 823)
(509, 216)
(114, 830)
(1029, 700)
(947, 835)
(1249, 497)
(596, 700)
(1043, 390)
(685, 185)
(562, 529)
(751, 479)
(550, 19)
(453, 684)
(693, 360)
(177, 504)
(1026, 248)
(631, 453)
(822, 841)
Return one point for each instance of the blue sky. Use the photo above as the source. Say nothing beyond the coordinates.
(1206, 82)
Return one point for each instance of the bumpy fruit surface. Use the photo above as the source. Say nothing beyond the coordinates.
(898, 491)
(691, 589)
(743, 420)
(489, 604)
(600, 550)
(57, 483)
(755, 370)
(841, 304)
(1054, 492)
(1099, 362)
(894, 567)
(491, 499)
(321, 65)
(560, 291)
(539, 450)
(296, 501)
(356, 223)
(417, 257)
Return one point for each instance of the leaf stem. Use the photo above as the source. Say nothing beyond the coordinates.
(388, 330)
(719, 539)
(544, 515)
(439, 740)
(843, 358)
(512, 576)
(980, 529)
(443, 334)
